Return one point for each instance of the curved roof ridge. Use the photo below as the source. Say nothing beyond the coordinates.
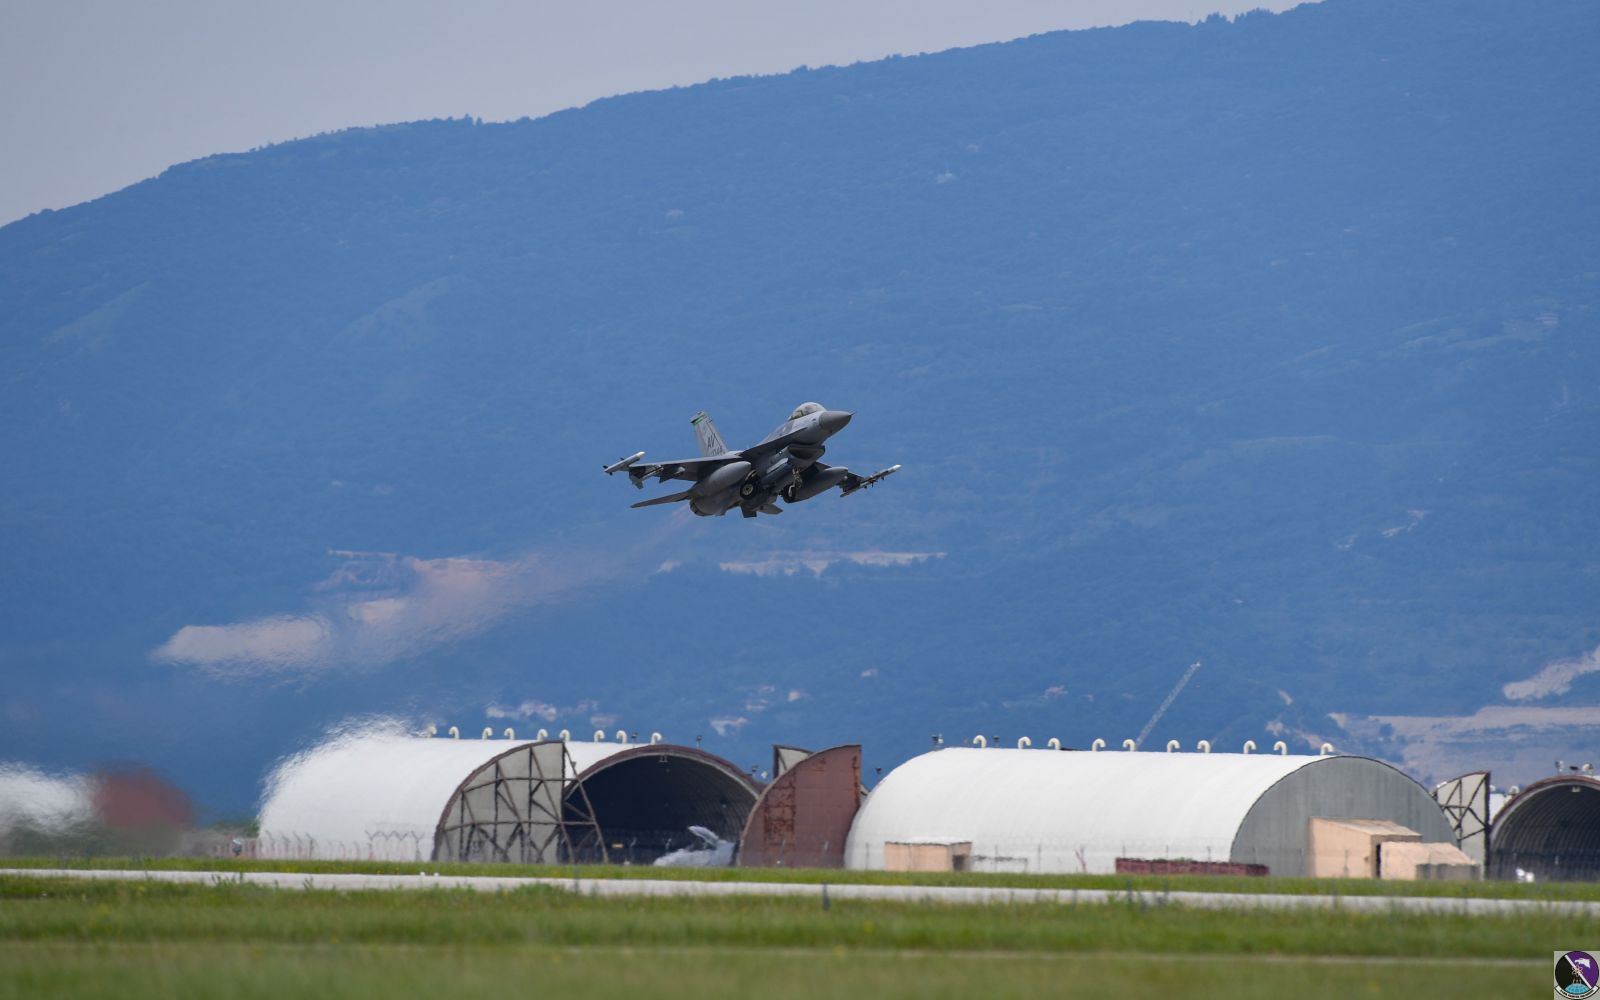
(1083, 808)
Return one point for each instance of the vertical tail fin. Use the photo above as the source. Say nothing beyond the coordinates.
(706, 433)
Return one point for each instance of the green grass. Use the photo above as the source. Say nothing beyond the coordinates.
(137, 939)
(1551, 891)
(47, 909)
(274, 972)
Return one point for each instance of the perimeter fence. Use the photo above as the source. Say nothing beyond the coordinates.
(1022, 856)
(379, 845)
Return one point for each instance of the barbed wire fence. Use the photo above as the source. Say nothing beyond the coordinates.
(378, 845)
(1030, 856)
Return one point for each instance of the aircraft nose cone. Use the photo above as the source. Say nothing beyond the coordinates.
(833, 421)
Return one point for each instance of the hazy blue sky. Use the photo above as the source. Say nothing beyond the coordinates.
(98, 94)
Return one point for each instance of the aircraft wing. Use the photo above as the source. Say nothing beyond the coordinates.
(852, 482)
(766, 449)
(687, 469)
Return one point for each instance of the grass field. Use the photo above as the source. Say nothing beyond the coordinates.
(136, 939)
(365, 971)
(1551, 891)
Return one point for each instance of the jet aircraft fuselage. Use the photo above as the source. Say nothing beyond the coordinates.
(783, 465)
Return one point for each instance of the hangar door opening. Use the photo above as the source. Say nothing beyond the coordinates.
(1551, 830)
(644, 801)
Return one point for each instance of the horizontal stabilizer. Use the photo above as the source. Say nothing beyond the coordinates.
(669, 498)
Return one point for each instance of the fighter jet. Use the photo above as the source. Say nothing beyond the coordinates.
(784, 465)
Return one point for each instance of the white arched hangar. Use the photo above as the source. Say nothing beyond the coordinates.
(1053, 811)
(389, 796)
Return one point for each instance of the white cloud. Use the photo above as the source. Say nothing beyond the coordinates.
(817, 563)
(49, 802)
(281, 642)
(527, 710)
(375, 608)
(1518, 743)
(1052, 693)
(552, 716)
(760, 699)
(1413, 518)
(729, 724)
(776, 566)
(879, 558)
(1555, 678)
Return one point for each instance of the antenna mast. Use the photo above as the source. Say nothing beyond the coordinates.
(1171, 697)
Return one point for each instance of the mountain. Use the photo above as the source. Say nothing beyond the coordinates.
(1267, 343)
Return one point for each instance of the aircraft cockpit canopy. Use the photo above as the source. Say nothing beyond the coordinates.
(805, 409)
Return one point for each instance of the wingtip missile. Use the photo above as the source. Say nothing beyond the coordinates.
(623, 463)
(872, 480)
(880, 476)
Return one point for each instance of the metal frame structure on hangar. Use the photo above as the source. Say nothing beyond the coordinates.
(535, 801)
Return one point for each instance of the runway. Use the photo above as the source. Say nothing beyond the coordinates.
(955, 895)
